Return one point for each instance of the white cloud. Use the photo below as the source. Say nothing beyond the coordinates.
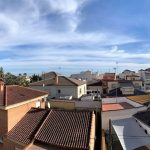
(8, 25)
(30, 22)
(65, 6)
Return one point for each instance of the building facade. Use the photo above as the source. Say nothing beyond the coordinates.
(15, 102)
(59, 86)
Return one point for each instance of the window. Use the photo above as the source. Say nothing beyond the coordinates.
(1, 139)
(37, 104)
(80, 91)
(59, 91)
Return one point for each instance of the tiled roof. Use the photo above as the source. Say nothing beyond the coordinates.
(94, 83)
(60, 128)
(15, 94)
(77, 82)
(62, 81)
(66, 129)
(25, 130)
(140, 99)
(50, 75)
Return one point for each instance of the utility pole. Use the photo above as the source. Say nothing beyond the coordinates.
(116, 70)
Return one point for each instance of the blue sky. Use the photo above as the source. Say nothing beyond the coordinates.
(69, 36)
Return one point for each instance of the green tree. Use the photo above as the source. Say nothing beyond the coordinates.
(35, 78)
(22, 81)
(1, 73)
(10, 79)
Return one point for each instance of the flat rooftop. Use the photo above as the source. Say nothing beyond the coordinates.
(116, 106)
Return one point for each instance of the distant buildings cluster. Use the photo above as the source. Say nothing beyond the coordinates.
(91, 113)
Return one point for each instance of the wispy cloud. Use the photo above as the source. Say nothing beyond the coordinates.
(46, 33)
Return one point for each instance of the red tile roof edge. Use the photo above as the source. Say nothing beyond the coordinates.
(7, 91)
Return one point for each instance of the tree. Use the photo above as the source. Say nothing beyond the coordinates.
(11, 79)
(1, 73)
(35, 78)
(22, 81)
(25, 74)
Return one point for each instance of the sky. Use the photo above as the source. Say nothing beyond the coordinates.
(69, 36)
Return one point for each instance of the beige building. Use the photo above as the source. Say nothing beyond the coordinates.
(59, 86)
(129, 75)
(124, 84)
(132, 77)
(15, 102)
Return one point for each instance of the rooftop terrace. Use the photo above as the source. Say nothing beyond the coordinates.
(116, 106)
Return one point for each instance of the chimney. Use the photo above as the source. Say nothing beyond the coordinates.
(1, 92)
(56, 79)
(5, 95)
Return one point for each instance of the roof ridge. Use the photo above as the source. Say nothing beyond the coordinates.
(42, 124)
(70, 80)
(29, 88)
(41, 80)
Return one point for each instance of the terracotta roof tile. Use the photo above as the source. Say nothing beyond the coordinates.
(25, 130)
(60, 128)
(16, 94)
(66, 129)
(62, 81)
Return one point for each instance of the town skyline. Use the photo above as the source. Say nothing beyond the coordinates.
(72, 36)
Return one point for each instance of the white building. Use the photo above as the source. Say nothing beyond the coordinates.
(145, 76)
(87, 75)
(127, 87)
(59, 86)
(129, 75)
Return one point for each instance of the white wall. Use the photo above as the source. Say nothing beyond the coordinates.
(83, 90)
(120, 100)
(87, 105)
(65, 90)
